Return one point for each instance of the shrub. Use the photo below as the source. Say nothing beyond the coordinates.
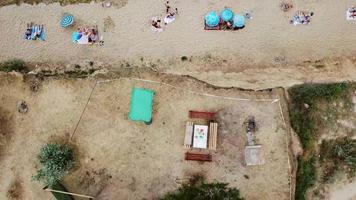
(14, 65)
(56, 160)
(310, 93)
(204, 191)
(304, 119)
(340, 152)
(306, 176)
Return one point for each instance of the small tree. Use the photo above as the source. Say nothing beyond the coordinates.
(204, 191)
(56, 160)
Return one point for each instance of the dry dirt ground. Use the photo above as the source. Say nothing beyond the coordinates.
(121, 159)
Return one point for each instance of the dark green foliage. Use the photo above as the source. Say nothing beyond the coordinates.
(204, 191)
(303, 125)
(56, 160)
(306, 177)
(61, 196)
(303, 109)
(339, 153)
(14, 65)
(310, 93)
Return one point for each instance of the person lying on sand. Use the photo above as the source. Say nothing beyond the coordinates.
(28, 31)
(39, 31)
(229, 25)
(285, 7)
(352, 11)
(301, 17)
(156, 23)
(93, 35)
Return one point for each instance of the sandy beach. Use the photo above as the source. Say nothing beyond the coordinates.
(268, 43)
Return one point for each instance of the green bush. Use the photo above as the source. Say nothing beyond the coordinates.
(56, 160)
(341, 152)
(204, 191)
(14, 65)
(306, 176)
(310, 93)
(304, 125)
(303, 111)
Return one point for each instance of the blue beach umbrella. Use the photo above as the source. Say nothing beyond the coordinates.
(67, 20)
(227, 15)
(238, 21)
(212, 19)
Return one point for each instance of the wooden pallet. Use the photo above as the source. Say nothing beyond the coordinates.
(202, 115)
(188, 138)
(198, 157)
(213, 134)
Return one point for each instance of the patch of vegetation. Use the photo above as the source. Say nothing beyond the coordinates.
(78, 73)
(311, 106)
(339, 154)
(56, 160)
(14, 65)
(204, 191)
(303, 108)
(306, 176)
(15, 190)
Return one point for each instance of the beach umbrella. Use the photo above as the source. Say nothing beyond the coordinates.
(67, 20)
(212, 19)
(238, 21)
(226, 15)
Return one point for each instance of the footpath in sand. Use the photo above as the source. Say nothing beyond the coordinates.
(269, 52)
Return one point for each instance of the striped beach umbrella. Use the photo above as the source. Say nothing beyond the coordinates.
(67, 20)
(212, 19)
(239, 21)
(227, 15)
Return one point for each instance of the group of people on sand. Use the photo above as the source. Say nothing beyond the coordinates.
(351, 13)
(86, 35)
(301, 17)
(34, 32)
(170, 16)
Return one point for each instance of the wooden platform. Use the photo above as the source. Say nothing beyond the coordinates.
(198, 157)
(213, 134)
(202, 115)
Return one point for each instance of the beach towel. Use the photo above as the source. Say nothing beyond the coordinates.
(33, 34)
(168, 20)
(83, 40)
(43, 35)
(349, 16)
(76, 36)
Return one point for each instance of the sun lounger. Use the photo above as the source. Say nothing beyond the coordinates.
(213, 134)
(202, 115)
(188, 135)
(198, 157)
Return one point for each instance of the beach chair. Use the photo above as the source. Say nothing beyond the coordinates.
(213, 134)
(188, 138)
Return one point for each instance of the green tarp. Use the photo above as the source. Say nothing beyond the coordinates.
(141, 105)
